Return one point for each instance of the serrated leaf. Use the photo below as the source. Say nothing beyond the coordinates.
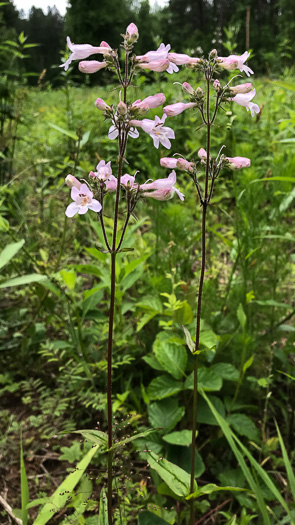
(207, 380)
(163, 386)
(226, 371)
(152, 361)
(165, 414)
(171, 356)
(182, 438)
(244, 426)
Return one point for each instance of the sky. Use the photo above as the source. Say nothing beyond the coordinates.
(60, 4)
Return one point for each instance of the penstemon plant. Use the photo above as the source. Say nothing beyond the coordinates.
(207, 168)
(90, 194)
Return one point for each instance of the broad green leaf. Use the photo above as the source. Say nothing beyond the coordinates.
(10, 251)
(208, 338)
(165, 414)
(91, 301)
(103, 508)
(66, 132)
(93, 436)
(171, 356)
(175, 477)
(69, 278)
(25, 497)
(130, 279)
(241, 316)
(226, 371)
(147, 316)
(208, 489)
(184, 315)
(128, 268)
(25, 279)
(59, 497)
(207, 380)
(163, 386)
(149, 518)
(182, 438)
(152, 361)
(244, 426)
(205, 415)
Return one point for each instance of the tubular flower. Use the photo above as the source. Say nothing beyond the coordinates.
(83, 201)
(185, 165)
(101, 104)
(156, 129)
(81, 51)
(161, 189)
(111, 183)
(103, 171)
(91, 66)
(242, 88)
(180, 59)
(154, 101)
(128, 181)
(202, 153)
(157, 65)
(236, 163)
(236, 62)
(243, 99)
(188, 88)
(176, 109)
(161, 54)
(71, 182)
(168, 162)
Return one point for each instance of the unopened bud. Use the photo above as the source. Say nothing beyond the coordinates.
(187, 88)
(216, 84)
(101, 104)
(132, 33)
(72, 182)
(199, 92)
(185, 165)
(213, 54)
(122, 108)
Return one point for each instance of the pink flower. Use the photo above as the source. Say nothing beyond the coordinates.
(185, 165)
(157, 130)
(179, 59)
(111, 183)
(91, 66)
(101, 104)
(81, 51)
(236, 163)
(236, 62)
(243, 99)
(202, 153)
(161, 54)
(105, 44)
(83, 201)
(216, 84)
(162, 189)
(154, 101)
(168, 162)
(103, 171)
(132, 33)
(128, 181)
(71, 181)
(176, 109)
(157, 65)
(188, 88)
(242, 88)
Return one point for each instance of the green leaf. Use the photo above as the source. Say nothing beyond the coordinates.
(271, 302)
(288, 466)
(128, 268)
(226, 371)
(248, 364)
(241, 316)
(103, 508)
(59, 497)
(66, 132)
(171, 356)
(284, 84)
(147, 316)
(244, 426)
(93, 436)
(175, 477)
(208, 339)
(25, 279)
(205, 415)
(149, 518)
(163, 386)
(207, 379)
(25, 497)
(189, 340)
(139, 435)
(91, 300)
(10, 251)
(4, 224)
(165, 414)
(183, 438)
(184, 315)
(69, 278)
(152, 361)
(208, 489)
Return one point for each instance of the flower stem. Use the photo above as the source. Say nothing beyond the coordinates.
(204, 204)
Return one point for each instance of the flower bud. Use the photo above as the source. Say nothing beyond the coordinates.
(122, 108)
(213, 54)
(242, 88)
(185, 165)
(216, 84)
(199, 92)
(71, 182)
(132, 33)
(101, 104)
(236, 163)
(188, 88)
(176, 109)
(202, 153)
(91, 66)
(168, 162)
(105, 44)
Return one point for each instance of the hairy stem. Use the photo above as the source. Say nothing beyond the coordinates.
(204, 204)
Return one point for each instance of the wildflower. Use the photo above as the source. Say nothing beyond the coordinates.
(160, 55)
(71, 181)
(91, 66)
(180, 59)
(114, 131)
(243, 99)
(188, 88)
(176, 109)
(216, 84)
(185, 165)
(202, 153)
(101, 104)
(111, 184)
(151, 102)
(168, 162)
(157, 130)
(83, 201)
(157, 65)
(236, 62)
(128, 181)
(81, 51)
(161, 189)
(103, 171)
(236, 163)
(132, 33)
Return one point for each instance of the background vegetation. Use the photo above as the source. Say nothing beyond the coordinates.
(55, 282)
